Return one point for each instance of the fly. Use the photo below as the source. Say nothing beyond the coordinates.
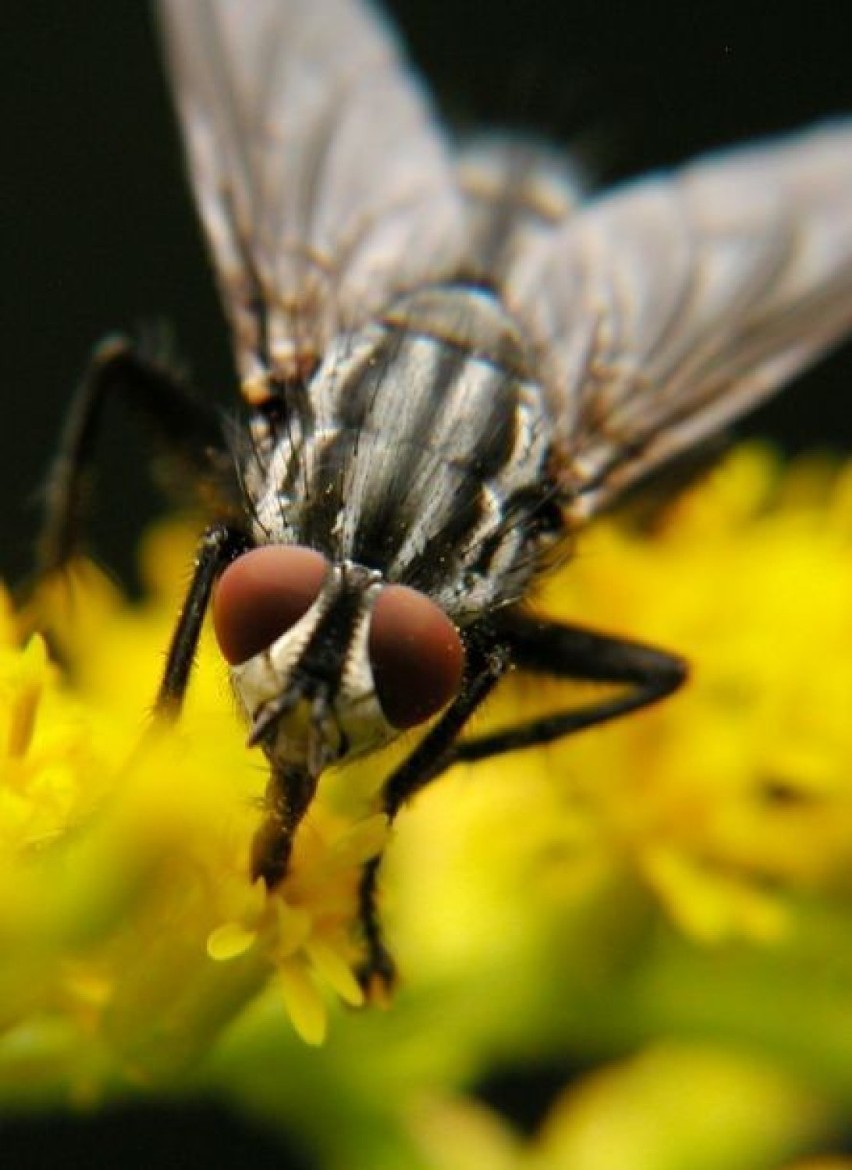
(449, 362)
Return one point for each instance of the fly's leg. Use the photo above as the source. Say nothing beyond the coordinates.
(180, 424)
(538, 647)
(219, 545)
(432, 756)
(570, 652)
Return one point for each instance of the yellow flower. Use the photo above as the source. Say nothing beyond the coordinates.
(738, 790)
(126, 914)
(730, 803)
(131, 935)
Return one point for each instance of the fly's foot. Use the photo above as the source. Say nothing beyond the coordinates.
(377, 973)
(377, 976)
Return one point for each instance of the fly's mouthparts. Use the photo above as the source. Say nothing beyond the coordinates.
(325, 739)
(269, 714)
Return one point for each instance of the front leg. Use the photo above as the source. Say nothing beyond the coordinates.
(571, 652)
(486, 663)
(538, 647)
(219, 545)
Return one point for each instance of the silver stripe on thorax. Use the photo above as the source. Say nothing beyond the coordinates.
(428, 451)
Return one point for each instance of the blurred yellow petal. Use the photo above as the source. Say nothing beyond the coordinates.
(305, 1006)
(28, 676)
(458, 1135)
(335, 970)
(679, 1108)
(229, 940)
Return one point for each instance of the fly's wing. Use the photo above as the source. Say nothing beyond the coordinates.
(323, 185)
(515, 189)
(664, 310)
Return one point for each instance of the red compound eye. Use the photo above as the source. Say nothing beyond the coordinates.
(416, 655)
(261, 595)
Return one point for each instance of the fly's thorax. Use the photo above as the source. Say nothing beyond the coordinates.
(328, 660)
(419, 448)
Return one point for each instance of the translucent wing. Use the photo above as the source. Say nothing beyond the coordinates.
(322, 183)
(667, 308)
(515, 189)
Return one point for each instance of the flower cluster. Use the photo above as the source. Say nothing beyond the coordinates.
(674, 876)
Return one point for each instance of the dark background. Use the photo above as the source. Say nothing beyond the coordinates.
(97, 232)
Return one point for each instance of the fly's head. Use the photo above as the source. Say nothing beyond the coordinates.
(328, 660)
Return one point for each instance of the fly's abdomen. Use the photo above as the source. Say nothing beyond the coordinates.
(427, 455)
